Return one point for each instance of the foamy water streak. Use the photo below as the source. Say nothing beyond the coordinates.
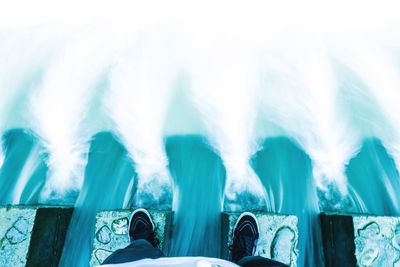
(298, 100)
(25, 54)
(332, 143)
(327, 111)
(60, 106)
(261, 24)
(381, 77)
(141, 85)
(374, 95)
(225, 94)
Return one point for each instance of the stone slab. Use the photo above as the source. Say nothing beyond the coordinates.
(278, 236)
(32, 235)
(111, 232)
(362, 240)
(338, 240)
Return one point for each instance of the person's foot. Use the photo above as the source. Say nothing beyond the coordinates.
(141, 226)
(245, 237)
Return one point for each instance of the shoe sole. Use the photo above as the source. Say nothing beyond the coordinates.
(136, 211)
(246, 214)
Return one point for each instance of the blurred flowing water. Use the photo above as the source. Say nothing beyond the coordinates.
(25, 160)
(201, 116)
(374, 178)
(108, 184)
(199, 178)
(292, 191)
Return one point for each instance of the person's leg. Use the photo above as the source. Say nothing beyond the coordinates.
(258, 261)
(137, 250)
(143, 241)
(245, 237)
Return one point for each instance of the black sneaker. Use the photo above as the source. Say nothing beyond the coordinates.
(141, 226)
(245, 237)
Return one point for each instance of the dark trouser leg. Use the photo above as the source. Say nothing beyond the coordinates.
(257, 261)
(138, 250)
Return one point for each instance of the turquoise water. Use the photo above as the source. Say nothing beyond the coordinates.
(22, 162)
(199, 177)
(286, 171)
(107, 176)
(90, 114)
(375, 179)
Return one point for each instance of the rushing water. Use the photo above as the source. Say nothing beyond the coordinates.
(270, 164)
(109, 182)
(23, 159)
(199, 178)
(199, 116)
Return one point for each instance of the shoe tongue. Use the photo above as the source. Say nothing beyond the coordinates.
(141, 231)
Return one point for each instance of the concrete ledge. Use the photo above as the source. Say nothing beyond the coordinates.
(112, 232)
(360, 240)
(278, 236)
(32, 235)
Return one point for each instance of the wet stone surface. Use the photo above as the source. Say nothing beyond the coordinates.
(104, 235)
(278, 236)
(15, 233)
(120, 226)
(112, 232)
(279, 247)
(377, 240)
